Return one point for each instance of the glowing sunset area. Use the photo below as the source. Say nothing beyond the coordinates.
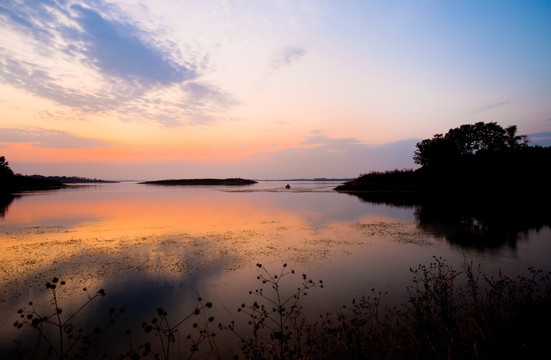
(261, 89)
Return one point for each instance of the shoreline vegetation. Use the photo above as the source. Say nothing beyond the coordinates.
(206, 181)
(450, 313)
(16, 183)
(481, 161)
(11, 183)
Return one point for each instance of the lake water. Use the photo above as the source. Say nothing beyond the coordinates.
(155, 246)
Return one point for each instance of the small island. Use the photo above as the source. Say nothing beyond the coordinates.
(179, 182)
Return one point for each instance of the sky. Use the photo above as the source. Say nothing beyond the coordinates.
(266, 89)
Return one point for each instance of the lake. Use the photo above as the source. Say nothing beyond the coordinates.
(157, 246)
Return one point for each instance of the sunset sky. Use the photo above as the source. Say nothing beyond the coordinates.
(265, 89)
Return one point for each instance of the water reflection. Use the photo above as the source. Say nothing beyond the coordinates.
(481, 223)
(152, 247)
(5, 202)
(96, 234)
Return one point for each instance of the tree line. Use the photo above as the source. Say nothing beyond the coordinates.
(5, 170)
(10, 182)
(470, 159)
(466, 141)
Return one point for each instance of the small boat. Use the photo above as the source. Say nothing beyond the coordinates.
(287, 186)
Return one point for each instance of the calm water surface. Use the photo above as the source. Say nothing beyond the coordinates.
(151, 246)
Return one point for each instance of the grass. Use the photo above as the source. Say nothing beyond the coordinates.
(449, 314)
(393, 180)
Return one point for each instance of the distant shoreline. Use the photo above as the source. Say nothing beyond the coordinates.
(314, 179)
(72, 179)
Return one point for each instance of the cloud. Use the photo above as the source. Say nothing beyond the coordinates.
(335, 157)
(287, 57)
(32, 78)
(199, 94)
(25, 14)
(544, 134)
(318, 139)
(491, 107)
(192, 102)
(281, 122)
(116, 49)
(540, 138)
(93, 59)
(53, 139)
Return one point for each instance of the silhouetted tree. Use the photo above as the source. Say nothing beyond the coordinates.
(437, 150)
(5, 170)
(515, 141)
(467, 140)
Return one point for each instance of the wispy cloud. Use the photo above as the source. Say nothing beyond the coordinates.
(34, 79)
(347, 156)
(43, 138)
(287, 57)
(541, 138)
(491, 107)
(316, 138)
(90, 58)
(544, 134)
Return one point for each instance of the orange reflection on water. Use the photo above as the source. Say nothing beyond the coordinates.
(191, 214)
(98, 235)
(92, 237)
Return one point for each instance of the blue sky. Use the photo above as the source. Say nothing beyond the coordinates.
(262, 89)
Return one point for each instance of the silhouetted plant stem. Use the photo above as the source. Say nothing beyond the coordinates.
(169, 334)
(67, 338)
(277, 313)
(450, 314)
(59, 323)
